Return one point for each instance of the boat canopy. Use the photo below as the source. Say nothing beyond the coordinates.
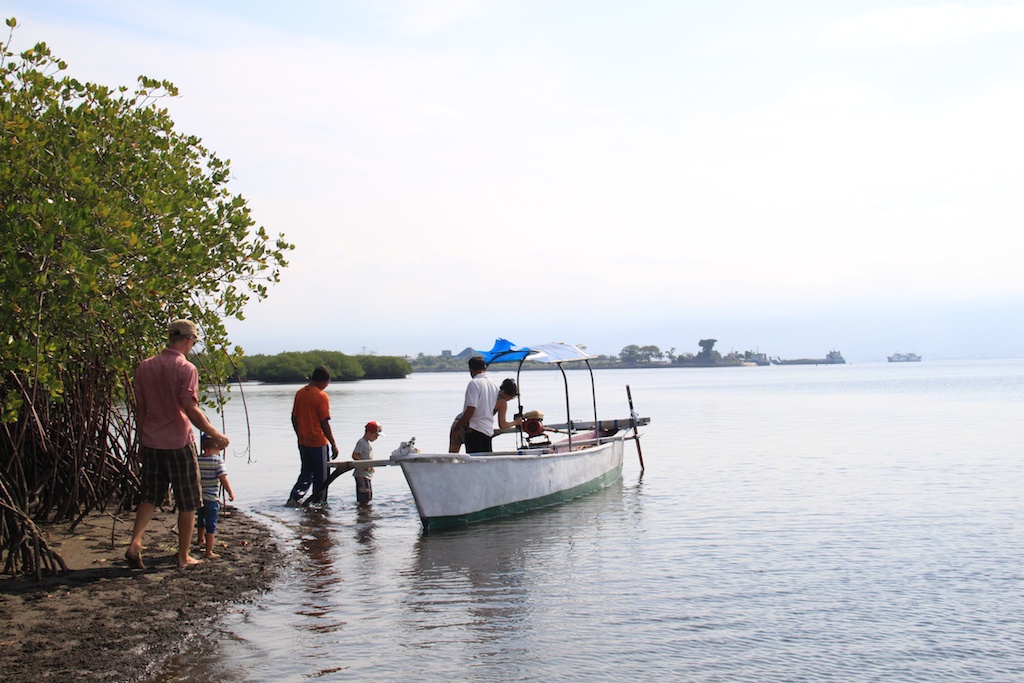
(505, 351)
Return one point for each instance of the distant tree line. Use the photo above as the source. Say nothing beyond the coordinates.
(638, 356)
(296, 366)
(630, 356)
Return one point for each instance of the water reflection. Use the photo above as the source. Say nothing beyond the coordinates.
(478, 573)
(481, 583)
(366, 522)
(319, 574)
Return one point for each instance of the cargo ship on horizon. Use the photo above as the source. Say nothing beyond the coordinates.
(833, 358)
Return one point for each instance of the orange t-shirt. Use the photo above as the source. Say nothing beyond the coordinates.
(310, 409)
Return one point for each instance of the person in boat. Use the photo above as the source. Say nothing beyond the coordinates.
(506, 392)
(456, 436)
(311, 415)
(478, 408)
(364, 451)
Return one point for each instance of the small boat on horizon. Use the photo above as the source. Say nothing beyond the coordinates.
(904, 358)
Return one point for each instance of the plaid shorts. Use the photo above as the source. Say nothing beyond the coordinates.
(179, 469)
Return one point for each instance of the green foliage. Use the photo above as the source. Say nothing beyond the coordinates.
(640, 355)
(297, 366)
(114, 223)
(425, 363)
(384, 367)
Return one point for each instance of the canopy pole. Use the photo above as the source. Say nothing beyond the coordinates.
(593, 397)
(568, 412)
(521, 439)
(633, 421)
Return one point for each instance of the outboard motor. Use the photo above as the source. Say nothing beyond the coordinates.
(533, 423)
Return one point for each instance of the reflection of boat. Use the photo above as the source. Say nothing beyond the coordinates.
(452, 489)
(904, 358)
(833, 358)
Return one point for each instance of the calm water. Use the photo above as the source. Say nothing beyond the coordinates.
(845, 523)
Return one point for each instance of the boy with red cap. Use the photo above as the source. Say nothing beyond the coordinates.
(364, 451)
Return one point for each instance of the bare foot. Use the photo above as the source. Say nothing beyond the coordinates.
(212, 556)
(189, 562)
(134, 559)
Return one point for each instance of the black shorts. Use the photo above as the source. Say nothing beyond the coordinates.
(477, 442)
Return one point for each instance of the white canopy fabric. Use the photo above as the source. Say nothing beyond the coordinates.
(556, 352)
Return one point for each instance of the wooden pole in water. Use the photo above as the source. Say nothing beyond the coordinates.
(636, 434)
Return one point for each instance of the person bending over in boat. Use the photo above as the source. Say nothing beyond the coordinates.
(456, 436)
(506, 392)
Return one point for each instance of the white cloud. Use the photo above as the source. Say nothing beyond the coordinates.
(934, 24)
(426, 17)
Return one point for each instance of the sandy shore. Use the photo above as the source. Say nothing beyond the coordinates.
(103, 621)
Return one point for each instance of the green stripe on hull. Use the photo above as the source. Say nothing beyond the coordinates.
(435, 523)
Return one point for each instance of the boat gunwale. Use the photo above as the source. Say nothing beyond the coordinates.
(547, 451)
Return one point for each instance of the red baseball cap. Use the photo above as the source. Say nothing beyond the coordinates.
(375, 428)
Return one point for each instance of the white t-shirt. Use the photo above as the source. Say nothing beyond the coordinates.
(362, 451)
(482, 394)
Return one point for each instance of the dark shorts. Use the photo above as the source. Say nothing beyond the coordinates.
(477, 442)
(178, 469)
(364, 489)
(207, 514)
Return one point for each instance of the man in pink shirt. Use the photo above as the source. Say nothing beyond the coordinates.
(166, 408)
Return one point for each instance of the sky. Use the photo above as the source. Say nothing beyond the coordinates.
(790, 177)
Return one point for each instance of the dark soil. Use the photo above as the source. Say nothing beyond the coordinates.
(103, 621)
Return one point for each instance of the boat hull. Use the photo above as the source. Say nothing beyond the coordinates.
(457, 489)
(833, 358)
(808, 361)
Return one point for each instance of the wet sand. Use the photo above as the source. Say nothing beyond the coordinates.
(103, 621)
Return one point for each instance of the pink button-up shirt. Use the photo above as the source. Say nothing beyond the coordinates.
(165, 385)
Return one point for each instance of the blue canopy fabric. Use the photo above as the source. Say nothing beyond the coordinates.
(505, 351)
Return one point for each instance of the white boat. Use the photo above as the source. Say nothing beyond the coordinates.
(456, 489)
(904, 358)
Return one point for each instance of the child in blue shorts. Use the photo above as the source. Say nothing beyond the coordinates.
(212, 475)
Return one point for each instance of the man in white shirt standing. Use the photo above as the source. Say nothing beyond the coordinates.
(478, 413)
